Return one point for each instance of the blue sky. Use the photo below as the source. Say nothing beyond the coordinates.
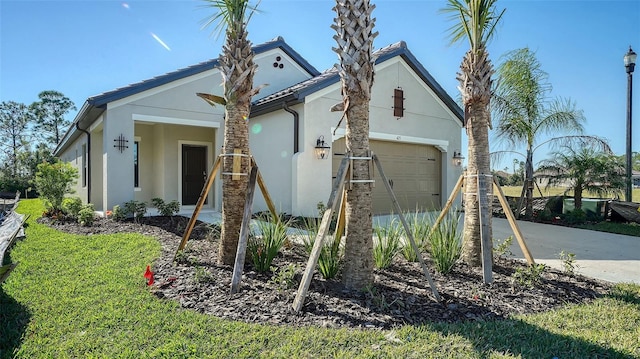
(83, 48)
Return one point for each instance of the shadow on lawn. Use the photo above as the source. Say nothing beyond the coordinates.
(528, 341)
(14, 318)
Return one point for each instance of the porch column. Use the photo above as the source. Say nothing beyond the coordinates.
(117, 160)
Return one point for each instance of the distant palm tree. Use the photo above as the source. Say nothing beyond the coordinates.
(354, 28)
(475, 21)
(525, 112)
(585, 169)
(237, 69)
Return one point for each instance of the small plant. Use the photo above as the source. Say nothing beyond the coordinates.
(169, 209)
(377, 300)
(137, 209)
(86, 215)
(568, 262)
(53, 181)
(529, 277)
(118, 214)
(446, 243)
(71, 206)
(182, 256)
(420, 225)
(331, 253)
(502, 249)
(264, 247)
(203, 276)
(386, 243)
(284, 278)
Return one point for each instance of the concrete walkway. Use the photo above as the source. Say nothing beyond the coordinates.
(606, 256)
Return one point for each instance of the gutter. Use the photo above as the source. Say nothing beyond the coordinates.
(88, 161)
(296, 127)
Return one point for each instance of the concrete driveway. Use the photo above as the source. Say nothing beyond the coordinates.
(606, 256)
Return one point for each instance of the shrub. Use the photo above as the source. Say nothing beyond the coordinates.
(577, 216)
(54, 181)
(71, 206)
(331, 253)
(264, 247)
(446, 243)
(386, 243)
(166, 209)
(86, 215)
(118, 214)
(137, 209)
(529, 277)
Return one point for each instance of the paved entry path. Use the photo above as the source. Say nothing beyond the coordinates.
(606, 256)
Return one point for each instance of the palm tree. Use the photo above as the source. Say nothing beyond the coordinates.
(524, 111)
(237, 68)
(585, 169)
(475, 21)
(354, 36)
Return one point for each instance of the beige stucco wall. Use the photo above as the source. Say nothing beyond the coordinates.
(426, 120)
(170, 115)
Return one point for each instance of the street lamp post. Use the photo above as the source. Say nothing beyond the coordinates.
(629, 64)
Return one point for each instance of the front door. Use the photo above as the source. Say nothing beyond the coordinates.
(194, 173)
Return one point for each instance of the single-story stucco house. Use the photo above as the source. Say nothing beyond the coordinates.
(156, 138)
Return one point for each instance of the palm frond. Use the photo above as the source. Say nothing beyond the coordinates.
(228, 14)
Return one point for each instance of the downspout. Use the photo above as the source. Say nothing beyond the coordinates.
(88, 161)
(296, 127)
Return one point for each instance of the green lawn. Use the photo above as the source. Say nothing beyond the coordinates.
(85, 297)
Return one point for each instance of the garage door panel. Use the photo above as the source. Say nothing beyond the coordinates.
(414, 171)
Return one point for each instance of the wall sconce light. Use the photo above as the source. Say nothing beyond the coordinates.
(457, 158)
(322, 150)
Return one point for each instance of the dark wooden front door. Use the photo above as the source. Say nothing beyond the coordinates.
(194, 172)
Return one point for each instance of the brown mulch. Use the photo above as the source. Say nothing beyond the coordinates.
(400, 295)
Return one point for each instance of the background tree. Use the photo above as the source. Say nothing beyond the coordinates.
(237, 69)
(475, 21)
(585, 169)
(14, 121)
(354, 36)
(525, 112)
(49, 112)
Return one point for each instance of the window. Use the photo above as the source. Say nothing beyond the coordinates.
(136, 167)
(84, 165)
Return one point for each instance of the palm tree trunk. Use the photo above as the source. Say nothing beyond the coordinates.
(475, 80)
(358, 269)
(529, 184)
(237, 68)
(354, 35)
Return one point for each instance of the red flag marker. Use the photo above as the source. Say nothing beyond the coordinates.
(149, 275)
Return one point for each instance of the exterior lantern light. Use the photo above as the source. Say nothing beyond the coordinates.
(457, 158)
(322, 149)
(629, 64)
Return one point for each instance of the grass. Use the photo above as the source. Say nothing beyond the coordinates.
(85, 297)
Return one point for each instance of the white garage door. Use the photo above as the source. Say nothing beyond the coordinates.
(414, 171)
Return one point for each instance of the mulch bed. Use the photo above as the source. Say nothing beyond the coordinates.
(400, 295)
